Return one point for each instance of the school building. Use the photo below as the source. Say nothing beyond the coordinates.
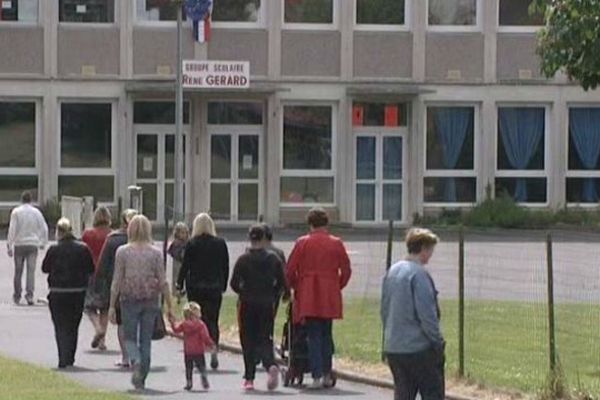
(375, 110)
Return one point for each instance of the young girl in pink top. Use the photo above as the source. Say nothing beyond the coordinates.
(196, 341)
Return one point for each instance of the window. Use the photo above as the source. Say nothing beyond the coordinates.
(307, 175)
(521, 154)
(17, 127)
(19, 10)
(99, 11)
(236, 11)
(12, 186)
(382, 12)
(86, 161)
(379, 114)
(156, 10)
(234, 113)
(158, 112)
(450, 155)
(308, 11)
(516, 13)
(453, 12)
(584, 155)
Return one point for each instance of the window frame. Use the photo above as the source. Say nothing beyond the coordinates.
(453, 173)
(477, 27)
(514, 28)
(309, 173)
(26, 171)
(513, 173)
(574, 173)
(406, 27)
(93, 171)
(15, 24)
(261, 22)
(100, 25)
(306, 26)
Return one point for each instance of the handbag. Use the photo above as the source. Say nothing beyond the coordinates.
(160, 330)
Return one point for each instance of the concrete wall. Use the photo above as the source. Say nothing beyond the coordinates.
(154, 49)
(22, 50)
(81, 47)
(516, 55)
(447, 53)
(310, 53)
(383, 54)
(251, 45)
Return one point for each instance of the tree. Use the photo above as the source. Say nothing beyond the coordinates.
(570, 41)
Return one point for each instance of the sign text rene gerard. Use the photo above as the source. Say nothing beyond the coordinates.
(216, 74)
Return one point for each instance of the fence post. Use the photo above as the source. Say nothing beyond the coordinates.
(388, 264)
(550, 279)
(461, 302)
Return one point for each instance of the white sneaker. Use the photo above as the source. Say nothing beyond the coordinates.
(316, 384)
(273, 380)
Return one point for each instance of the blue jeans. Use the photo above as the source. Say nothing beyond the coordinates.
(139, 318)
(24, 255)
(320, 346)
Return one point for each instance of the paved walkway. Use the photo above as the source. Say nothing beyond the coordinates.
(26, 333)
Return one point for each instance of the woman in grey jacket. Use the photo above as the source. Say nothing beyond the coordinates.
(413, 342)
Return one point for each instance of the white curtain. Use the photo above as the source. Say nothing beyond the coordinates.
(452, 12)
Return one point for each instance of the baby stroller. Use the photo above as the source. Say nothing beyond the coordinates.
(294, 352)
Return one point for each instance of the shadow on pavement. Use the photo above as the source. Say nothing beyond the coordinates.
(103, 352)
(152, 392)
(223, 372)
(331, 392)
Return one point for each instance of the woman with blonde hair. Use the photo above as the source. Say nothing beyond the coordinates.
(138, 281)
(205, 273)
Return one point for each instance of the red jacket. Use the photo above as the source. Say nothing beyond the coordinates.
(95, 239)
(318, 269)
(196, 340)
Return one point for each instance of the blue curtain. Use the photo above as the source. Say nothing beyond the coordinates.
(584, 124)
(521, 130)
(452, 123)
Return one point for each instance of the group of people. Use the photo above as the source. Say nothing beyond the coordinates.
(119, 276)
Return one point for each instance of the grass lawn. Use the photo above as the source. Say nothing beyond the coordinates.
(20, 381)
(505, 342)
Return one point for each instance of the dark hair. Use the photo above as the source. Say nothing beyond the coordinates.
(268, 231)
(26, 197)
(256, 233)
(317, 217)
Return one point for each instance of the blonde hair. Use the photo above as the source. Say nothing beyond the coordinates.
(139, 230)
(419, 238)
(63, 228)
(127, 215)
(102, 217)
(190, 309)
(203, 224)
(180, 229)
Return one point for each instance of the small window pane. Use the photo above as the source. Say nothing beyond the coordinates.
(521, 138)
(19, 10)
(365, 157)
(453, 12)
(102, 188)
(380, 114)
(392, 202)
(220, 200)
(86, 11)
(220, 164)
(157, 10)
(234, 113)
(365, 202)
(583, 190)
(170, 202)
(532, 190)
(147, 156)
(17, 129)
(248, 202)
(170, 156)
(86, 135)
(11, 187)
(309, 11)
(584, 138)
(307, 137)
(158, 112)
(248, 157)
(386, 12)
(306, 190)
(450, 190)
(450, 137)
(236, 10)
(392, 158)
(149, 200)
(516, 13)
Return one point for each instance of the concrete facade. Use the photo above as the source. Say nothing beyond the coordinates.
(344, 63)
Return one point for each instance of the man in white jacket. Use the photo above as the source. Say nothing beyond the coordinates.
(27, 233)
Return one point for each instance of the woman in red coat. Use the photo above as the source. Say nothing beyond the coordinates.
(317, 271)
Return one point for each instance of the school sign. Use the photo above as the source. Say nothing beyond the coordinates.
(216, 74)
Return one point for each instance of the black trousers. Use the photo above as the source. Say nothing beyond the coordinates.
(256, 336)
(210, 303)
(199, 361)
(66, 310)
(421, 372)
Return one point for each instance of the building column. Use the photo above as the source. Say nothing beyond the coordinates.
(419, 30)
(416, 146)
(490, 22)
(558, 149)
(488, 117)
(272, 162)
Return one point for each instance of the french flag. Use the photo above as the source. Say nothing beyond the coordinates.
(202, 30)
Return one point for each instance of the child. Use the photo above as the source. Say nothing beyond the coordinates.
(181, 235)
(196, 341)
(257, 279)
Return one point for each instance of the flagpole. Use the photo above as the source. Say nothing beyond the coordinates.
(178, 189)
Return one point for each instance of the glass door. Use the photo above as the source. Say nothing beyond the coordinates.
(379, 177)
(235, 174)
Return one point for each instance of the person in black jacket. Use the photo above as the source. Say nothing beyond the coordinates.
(69, 265)
(257, 278)
(205, 272)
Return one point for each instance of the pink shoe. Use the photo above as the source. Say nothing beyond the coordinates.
(248, 385)
(273, 379)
